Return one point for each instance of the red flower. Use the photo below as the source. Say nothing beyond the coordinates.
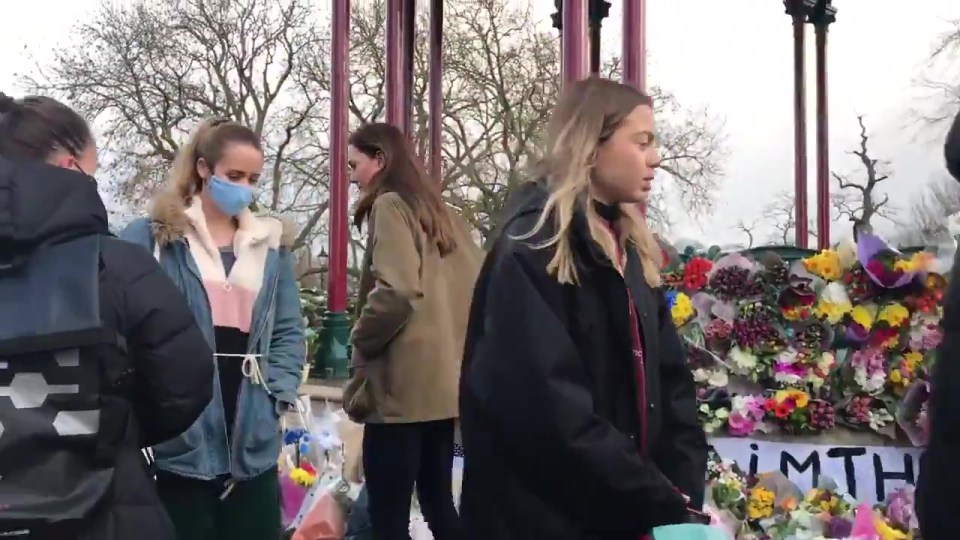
(695, 273)
(770, 404)
(784, 409)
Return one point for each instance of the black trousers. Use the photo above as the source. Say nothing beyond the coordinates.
(395, 458)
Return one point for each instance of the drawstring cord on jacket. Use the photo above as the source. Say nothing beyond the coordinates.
(250, 368)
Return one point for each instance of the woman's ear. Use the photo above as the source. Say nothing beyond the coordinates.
(203, 169)
(381, 161)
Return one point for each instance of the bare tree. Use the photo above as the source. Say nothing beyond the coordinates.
(858, 200)
(150, 70)
(780, 216)
(927, 219)
(749, 230)
(940, 80)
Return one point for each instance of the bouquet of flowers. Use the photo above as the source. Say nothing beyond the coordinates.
(841, 336)
(887, 267)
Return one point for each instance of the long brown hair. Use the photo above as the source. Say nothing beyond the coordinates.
(587, 115)
(208, 142)
(404, 174)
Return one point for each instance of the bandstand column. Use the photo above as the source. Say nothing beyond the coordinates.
(598, 11)
(795, 8)
(435, 89)
(331, 355)
(823, 16)
(408, 46)
(634, 52)
(573, 40)
(395, 75)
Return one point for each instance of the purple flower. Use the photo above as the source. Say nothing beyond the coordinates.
(795, 369)
(838, 527)
(900, 508)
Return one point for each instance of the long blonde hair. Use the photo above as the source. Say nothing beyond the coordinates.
(207, 142)
(588, 113)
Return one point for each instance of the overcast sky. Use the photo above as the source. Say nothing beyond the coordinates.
(734, 56)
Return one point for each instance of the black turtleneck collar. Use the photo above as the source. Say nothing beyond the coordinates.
(607, 212)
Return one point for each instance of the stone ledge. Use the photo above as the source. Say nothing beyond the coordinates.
(323, 390)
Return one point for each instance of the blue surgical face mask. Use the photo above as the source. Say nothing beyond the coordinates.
(229, 197)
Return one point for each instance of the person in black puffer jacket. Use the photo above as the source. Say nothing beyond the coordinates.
(937, 505)
(100, 355)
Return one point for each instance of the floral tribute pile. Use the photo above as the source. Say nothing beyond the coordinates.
(770, 507)
(845, 337)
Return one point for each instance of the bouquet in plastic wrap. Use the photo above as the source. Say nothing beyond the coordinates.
(313, 492)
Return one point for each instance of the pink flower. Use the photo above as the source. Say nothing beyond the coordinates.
(794, 369)
(740, 424)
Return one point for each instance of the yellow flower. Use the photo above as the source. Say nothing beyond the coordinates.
(682, 309)
(911, 359)
(825, 264)
(302, 477)
(916, 263)
(862, 316)
(801, 398)
(895, 376)
(887, 532)
(831, 311)
(894, 314)
(760, 504)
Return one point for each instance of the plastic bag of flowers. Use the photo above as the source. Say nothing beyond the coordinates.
(311, 452)
(886, 266)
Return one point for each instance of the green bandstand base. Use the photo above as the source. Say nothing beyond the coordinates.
(332, 357)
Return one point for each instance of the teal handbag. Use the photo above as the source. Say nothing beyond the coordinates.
(689, 531)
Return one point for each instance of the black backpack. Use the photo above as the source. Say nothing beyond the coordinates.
(65, 383)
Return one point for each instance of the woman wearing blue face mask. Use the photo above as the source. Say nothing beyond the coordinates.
(219, 479)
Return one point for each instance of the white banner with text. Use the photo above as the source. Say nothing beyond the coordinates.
(867, 473)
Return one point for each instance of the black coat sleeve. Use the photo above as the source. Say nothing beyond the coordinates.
(173, 363)
(937, 505)
(530, 387)
(951, 149)
(681, 452)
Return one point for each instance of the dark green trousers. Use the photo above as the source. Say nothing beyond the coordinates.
(250, 511)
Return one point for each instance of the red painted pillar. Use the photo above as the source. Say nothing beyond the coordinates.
(339, 124)
(574, 40)
(634, 52)
(396, 112)
(800, 131)
(408, 45)
(823, 141)
(435, 89)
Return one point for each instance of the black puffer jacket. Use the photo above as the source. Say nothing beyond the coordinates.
(937, 503)
(549, 410)
(172, 368)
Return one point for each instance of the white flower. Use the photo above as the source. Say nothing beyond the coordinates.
(787, 378)
(718, 378)
(827, 360)
(743, 361)
(836, 294)
(788, 356)
(700, 375)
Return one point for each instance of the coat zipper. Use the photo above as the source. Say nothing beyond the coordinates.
(187, 258)
(262, 327)
(640, 361)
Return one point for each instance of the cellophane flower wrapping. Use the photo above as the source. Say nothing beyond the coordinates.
(312, 452)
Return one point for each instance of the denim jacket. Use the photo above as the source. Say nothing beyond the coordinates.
(177, 235)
